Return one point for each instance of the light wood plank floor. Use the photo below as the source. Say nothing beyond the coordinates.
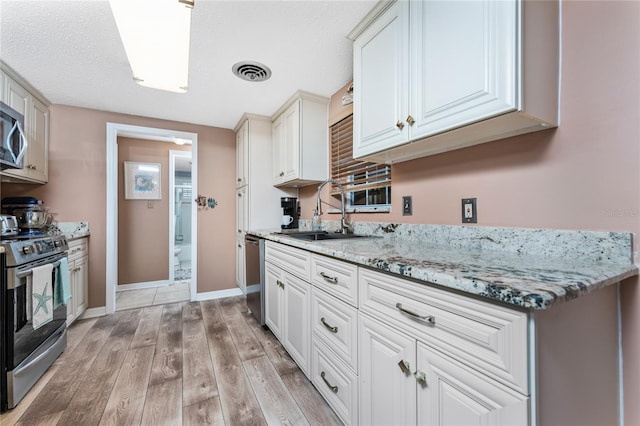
(186, 363)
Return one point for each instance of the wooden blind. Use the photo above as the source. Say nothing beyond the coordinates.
(354, 175)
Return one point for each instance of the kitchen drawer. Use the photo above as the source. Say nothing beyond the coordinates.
(336, 324)
(290, 259)
(335, 382)
(487, 337)
(335, 277)
(78, 248)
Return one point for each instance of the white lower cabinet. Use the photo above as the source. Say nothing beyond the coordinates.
(78, 278)
(454, 394)
(387, 386)
(383, 350)
(287, 311)
(336, 382)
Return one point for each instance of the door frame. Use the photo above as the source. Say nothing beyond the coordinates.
(113, 131)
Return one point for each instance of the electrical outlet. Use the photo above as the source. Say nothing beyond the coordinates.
(407, 206)
(469, 210)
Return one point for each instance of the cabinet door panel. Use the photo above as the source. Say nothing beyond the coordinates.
(387, 394)
(291, 146)
(240, 263)
(277, 135)
(455, 394)
(242, 155)
(273, 300)
(297, 331)
(463, 63)
(381, 82)
(80, 288)
(39, 151)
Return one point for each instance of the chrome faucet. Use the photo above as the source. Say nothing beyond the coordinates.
(344, 227)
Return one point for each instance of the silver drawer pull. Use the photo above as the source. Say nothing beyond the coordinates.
(334, 389)
(429, 318)
(330, 328)
(421, 378)
(327, 278)
(404, 367)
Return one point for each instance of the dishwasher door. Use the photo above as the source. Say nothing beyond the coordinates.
(254, 276)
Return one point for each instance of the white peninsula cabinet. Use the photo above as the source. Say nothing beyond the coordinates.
(301, 141)
(78, 277)
(433, 76)
(19, 96)
(386, 350)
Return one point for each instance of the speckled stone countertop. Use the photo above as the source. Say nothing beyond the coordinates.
(533, 269)
(71, 230)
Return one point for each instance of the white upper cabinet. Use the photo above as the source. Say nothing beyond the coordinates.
(36, 128)
(300, 135)
(433, 76)
(242, 155)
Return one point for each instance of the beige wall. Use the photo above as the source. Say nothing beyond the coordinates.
(77, 189)
(143, 226)
(583, 175)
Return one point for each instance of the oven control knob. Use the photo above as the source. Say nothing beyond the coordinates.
(37, 247)
(57, 243)
(27, 249)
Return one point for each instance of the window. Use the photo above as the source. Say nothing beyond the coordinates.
(367, 185)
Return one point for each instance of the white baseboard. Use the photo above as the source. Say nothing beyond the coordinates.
(253, 288)
(138, 286)
(94, 312)
(210, 295)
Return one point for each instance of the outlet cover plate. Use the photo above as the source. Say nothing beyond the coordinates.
(469, 210)
(407, 205)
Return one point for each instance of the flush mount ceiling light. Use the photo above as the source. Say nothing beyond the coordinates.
(155, 34)
(252, 71)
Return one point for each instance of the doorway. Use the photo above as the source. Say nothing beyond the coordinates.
(115, 130)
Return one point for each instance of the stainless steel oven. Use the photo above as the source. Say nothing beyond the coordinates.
(254, 276)
(28, 351)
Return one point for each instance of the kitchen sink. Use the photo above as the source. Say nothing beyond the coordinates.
(319, 235)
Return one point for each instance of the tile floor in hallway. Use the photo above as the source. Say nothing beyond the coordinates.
(130, 299)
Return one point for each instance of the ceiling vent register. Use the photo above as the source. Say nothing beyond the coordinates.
(252, 71)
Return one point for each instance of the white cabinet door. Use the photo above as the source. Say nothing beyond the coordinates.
(18, 98)
(273, 299)
(463, 63)
(240, 263)
(242, 155)
(38, 153)
(291, 144)
(80, 284)
(297, 330)
(381, 82)
(277, 134)
(454, 394)
(387, 360)
(242, 208)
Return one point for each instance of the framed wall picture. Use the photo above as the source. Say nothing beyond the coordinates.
(142, 181)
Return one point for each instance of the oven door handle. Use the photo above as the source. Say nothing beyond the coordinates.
(18, 371)
(30, 271)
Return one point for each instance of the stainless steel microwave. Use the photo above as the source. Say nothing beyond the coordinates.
(14, 142)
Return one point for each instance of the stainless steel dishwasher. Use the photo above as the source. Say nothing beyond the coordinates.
(254, 272)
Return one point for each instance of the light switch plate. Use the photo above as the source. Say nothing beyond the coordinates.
(469, 210)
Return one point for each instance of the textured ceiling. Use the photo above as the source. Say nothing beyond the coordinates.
(71, 52)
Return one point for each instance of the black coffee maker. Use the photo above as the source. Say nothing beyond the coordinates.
(290, 212)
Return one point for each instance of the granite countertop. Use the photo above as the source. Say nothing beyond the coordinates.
(525, 276)
(71, 230)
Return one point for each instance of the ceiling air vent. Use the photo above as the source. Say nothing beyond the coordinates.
(252, 71)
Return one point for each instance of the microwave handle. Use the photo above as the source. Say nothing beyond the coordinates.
(23, 143)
